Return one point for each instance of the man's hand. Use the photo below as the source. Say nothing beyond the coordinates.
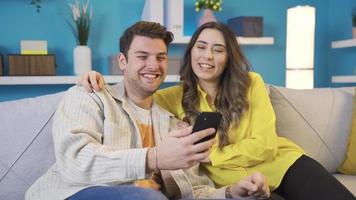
(177, 151)
(255, 185)
(91, 80)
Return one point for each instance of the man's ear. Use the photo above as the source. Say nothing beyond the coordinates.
(121, 59)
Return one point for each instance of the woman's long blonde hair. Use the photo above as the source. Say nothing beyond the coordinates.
(231, 99)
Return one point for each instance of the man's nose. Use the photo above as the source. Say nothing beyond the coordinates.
(152, 63)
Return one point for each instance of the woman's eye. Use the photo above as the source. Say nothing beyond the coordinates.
(218, 50)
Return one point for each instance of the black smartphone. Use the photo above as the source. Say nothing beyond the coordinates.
(207, 120)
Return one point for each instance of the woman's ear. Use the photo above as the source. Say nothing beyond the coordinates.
(121, 58)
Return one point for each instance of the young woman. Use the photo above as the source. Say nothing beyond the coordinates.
(216, 76)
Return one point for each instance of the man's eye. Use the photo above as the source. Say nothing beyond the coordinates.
(161, 58)
(142, 57)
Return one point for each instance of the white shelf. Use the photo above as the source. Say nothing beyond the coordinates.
(343, 43)
(343, 79)
(61, 80)
(255, 40)
(241, 40)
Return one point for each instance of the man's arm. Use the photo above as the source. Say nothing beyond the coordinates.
(82, 158)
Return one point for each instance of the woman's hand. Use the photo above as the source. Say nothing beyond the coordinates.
(255, 185)
(91, 80)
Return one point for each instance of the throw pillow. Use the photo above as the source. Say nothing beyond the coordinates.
(318, 120)
(349, 165)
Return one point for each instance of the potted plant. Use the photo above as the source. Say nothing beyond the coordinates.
(81, 19)
(208, 6)
(37, 4)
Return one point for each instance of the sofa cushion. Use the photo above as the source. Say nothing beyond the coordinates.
(318, 120)
(25, 131)
(12, 187)
(349, 165)
(348, 181)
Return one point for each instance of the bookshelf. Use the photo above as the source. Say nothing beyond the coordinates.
(241, 40)
(343, 43)
(343, 79)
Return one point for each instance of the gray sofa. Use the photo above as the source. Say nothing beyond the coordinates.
(318, 120)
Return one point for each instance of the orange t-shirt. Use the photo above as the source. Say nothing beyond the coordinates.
(146, 132)
(144, 123)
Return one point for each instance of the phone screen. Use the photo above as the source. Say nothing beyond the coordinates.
(207, 120)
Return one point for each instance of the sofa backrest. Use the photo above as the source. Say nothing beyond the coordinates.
(318, 120)
(26, 142)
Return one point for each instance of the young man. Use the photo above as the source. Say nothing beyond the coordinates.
(115, 143)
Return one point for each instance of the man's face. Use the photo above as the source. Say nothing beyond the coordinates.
(145, 66)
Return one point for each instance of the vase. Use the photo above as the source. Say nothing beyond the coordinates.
(353, 32)
(207, 16)
(82, 59)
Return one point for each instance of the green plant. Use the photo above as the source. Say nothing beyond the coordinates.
(37, 4)
(81, 21)
(214, 5)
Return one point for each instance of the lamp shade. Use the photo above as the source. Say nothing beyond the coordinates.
(300, 47)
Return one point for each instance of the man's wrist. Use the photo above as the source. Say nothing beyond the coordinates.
(150, 161)
(228, 194)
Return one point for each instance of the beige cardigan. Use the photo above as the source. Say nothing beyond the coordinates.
(97, 143)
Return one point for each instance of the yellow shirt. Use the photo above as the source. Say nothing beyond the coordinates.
(253, 145)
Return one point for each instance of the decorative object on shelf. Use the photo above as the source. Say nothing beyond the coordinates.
(300, 47)
(174, 17)
(1, 65)
(246, 26)
(174, 64)
(114, 68)
(208, 6)
(354, 23)
(153, 11)
(81, 28)
(82, 59)
(31, 65)
(33, 47)
(37, 4)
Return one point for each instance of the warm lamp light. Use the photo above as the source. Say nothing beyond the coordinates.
(300, 47)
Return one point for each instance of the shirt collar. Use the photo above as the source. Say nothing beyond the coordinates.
(201, 91)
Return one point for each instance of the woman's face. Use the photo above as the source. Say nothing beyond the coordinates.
(209, 55)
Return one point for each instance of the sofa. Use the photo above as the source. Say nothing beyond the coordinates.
(318, 120)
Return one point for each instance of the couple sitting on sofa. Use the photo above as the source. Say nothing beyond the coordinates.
(107, 143)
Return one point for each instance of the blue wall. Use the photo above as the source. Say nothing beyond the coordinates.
(341, 61)
(19, 20)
